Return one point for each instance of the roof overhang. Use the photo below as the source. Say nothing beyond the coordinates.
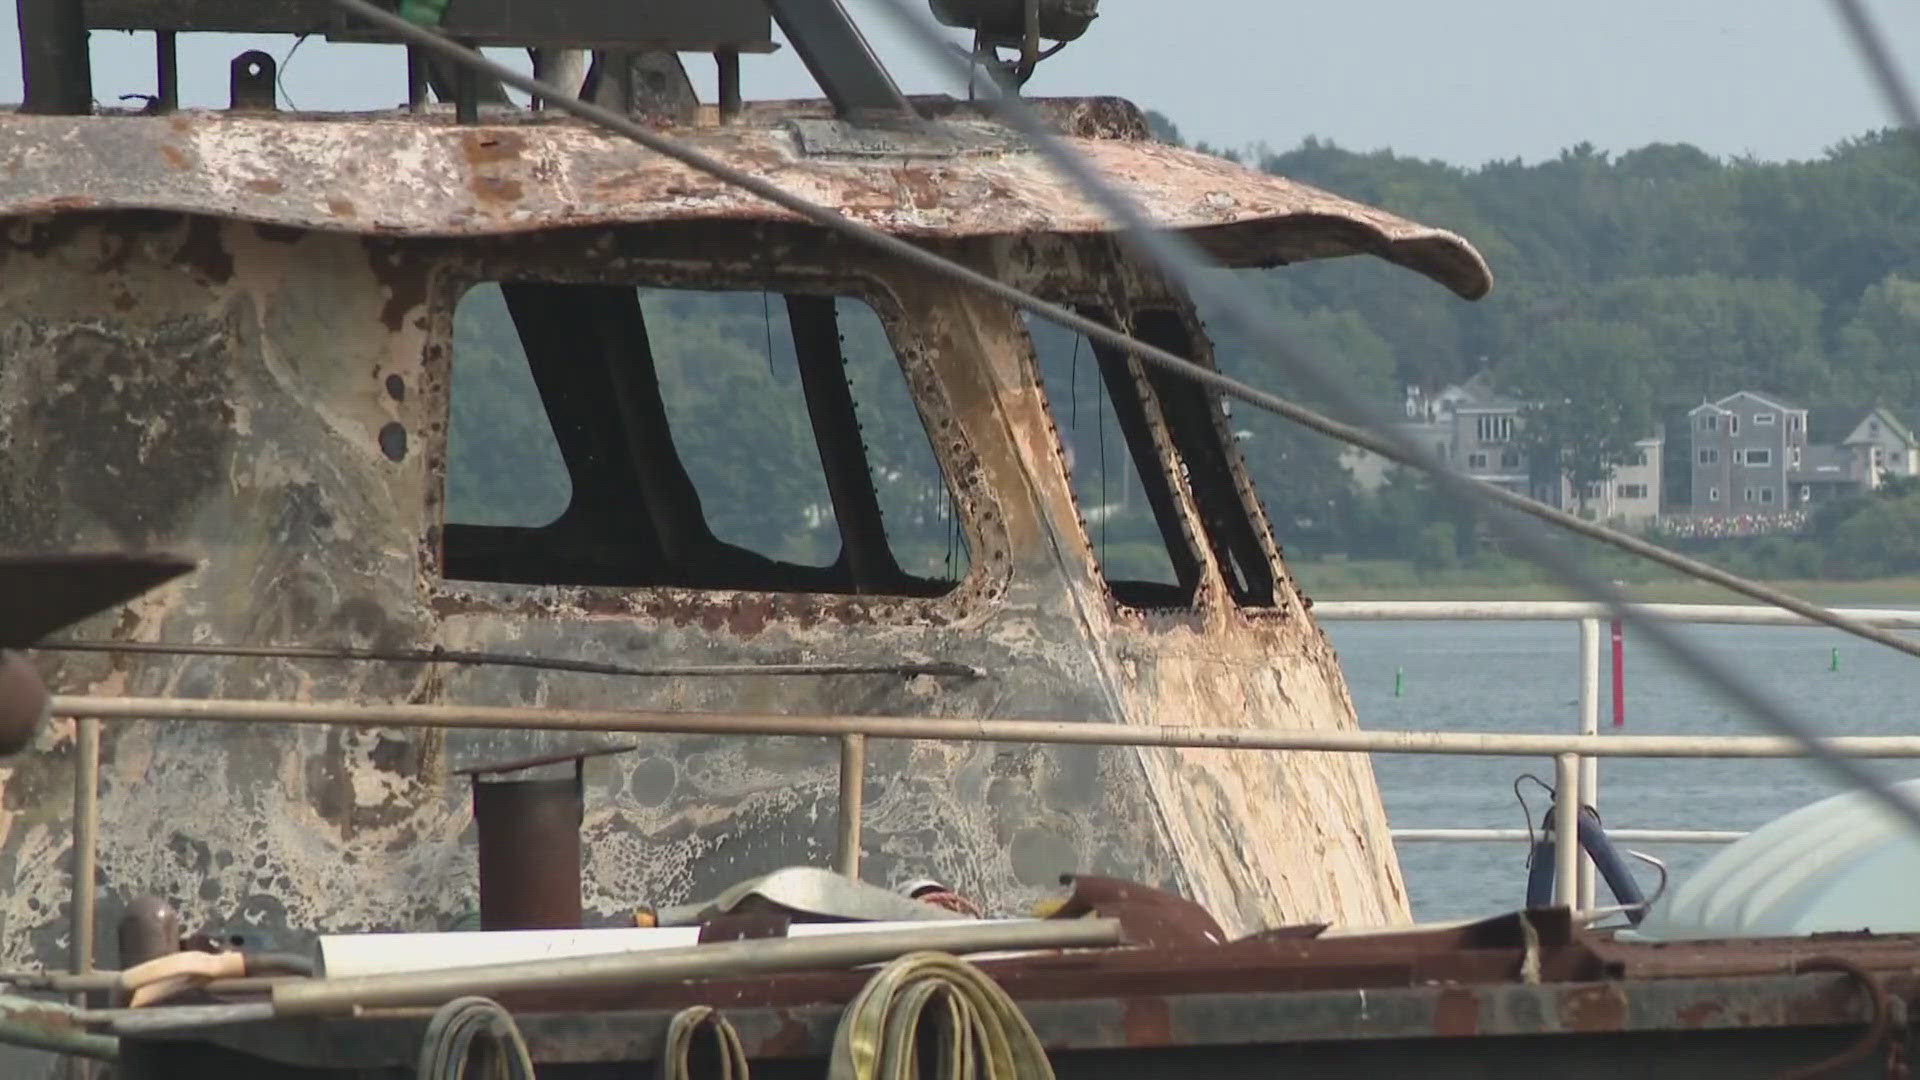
(424, 176)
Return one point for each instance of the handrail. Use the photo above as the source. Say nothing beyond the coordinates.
(1571, 610)
(1588, 615)
(1629, 836)
(1574, 755)
(949, 729)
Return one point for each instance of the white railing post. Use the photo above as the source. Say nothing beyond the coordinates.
(853, 776)
(1589, 725)
(1566, 829)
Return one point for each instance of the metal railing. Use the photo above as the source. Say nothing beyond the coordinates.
(1589, 616)
(1573, 754)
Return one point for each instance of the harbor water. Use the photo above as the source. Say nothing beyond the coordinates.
(1524, 677)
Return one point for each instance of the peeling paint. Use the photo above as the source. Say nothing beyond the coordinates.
(275, 401)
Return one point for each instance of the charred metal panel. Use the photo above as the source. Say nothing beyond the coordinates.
(232, 389)
(420, 175)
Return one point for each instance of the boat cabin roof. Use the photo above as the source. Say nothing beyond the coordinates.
(961, 176)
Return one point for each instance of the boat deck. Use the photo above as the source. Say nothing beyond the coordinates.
(1526, 994)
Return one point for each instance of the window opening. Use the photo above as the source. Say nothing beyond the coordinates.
(503, 462)
(1196, 421)
(698, 439)
(1124, 496)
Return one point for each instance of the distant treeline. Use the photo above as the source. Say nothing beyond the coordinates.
(1631, 286)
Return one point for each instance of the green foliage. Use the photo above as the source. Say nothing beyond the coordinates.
(1590, 397)
(1745, 275)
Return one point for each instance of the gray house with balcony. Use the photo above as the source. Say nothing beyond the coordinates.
(1746, 448)
(1485, 435)
(1856, 450)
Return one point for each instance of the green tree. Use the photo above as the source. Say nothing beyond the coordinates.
(1589, 396)
(1879, 348)
(1713, 335)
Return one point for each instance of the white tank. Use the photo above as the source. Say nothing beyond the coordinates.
(1842, 864)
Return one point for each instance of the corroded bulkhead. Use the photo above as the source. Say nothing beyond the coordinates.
(243, 336)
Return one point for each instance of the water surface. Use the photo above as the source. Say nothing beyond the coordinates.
(1524, 677)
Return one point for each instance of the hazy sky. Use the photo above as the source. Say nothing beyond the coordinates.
(1466, 82)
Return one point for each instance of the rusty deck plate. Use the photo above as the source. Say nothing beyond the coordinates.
(1449, 985)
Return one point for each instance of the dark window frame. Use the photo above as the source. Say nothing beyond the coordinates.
(1231, 518)
(811, 588)
(1149, 421)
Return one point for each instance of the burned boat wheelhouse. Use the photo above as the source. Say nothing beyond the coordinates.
(474, 378)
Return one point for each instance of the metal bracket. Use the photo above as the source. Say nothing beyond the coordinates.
(839, 58)
(252, 81)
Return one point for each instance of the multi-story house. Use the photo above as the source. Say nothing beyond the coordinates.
(1477, 429)
(1634, 495)
(1484, 434)
(1860, 448)
(1754, 454)
(1745, 446)
(1631, 497)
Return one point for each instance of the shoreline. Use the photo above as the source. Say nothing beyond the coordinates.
(1877, 592)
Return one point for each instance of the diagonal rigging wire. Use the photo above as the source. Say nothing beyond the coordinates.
(1181, 258)
(1872, 46)
(1173, 253)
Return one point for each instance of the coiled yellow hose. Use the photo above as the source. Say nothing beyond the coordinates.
(675, 1056)
(983, 1035)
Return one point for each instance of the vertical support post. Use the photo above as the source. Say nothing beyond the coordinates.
(466, 95)
(1566, 829)
(1589, 725)
(86, 827)
(853, 775)
(166, 67)
(416, 79)
(56, 68)
(728, 61)
(1619, 676)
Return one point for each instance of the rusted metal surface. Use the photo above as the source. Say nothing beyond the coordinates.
(1149, 916)
(529, 850)
(423, 176)
(227, 386)
(150, 929)
(1456, 989)
(23, 702)
(273, 391)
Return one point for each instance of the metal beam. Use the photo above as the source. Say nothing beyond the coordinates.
(839, 58)
(1567, 610)
(54, 63)
(1060, 732)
